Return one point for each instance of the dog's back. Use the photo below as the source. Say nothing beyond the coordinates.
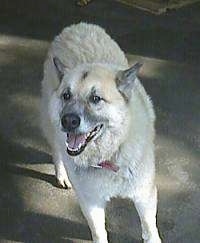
(87, 43)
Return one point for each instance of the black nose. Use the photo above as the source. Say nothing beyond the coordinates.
(70, 121)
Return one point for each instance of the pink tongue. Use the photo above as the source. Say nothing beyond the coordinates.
(74, 140)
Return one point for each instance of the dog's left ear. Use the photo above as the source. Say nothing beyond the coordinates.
(125, 80)
(60, 67)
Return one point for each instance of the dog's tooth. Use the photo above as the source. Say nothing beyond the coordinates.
(73, 149)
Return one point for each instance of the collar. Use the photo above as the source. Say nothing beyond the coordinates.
(106, 164)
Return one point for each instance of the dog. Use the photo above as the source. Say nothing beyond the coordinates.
(99, 122)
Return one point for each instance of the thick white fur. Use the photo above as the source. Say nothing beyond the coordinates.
(78, 47)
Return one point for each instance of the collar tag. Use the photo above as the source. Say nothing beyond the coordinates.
(107, 165)
(97, 166)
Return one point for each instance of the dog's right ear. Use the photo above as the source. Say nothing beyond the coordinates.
(60, 68)
(125, 80)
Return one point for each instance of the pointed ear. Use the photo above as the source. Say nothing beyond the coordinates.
(60, 67)
(125, 80)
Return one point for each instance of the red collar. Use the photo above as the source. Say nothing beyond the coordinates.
(107, 165)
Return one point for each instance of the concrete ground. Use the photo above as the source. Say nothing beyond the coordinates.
(32, 208)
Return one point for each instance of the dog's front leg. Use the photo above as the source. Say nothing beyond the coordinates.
(146, 207)
(61, 173)
(95, 215)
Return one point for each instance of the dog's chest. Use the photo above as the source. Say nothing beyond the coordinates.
(102, 182)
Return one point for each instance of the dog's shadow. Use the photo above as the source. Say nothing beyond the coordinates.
(27, 172)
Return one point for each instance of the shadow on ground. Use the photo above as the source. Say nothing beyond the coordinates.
(31, 227)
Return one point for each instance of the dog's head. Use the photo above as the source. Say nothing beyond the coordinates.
(93, 109)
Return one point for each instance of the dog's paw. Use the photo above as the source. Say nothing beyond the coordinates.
(155, 240)
(63, 181)
(61, 176)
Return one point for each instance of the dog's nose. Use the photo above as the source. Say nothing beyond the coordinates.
(70, 121)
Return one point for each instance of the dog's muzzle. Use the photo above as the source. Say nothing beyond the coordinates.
(76, 143)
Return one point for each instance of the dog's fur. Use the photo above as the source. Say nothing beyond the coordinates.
(83, 56)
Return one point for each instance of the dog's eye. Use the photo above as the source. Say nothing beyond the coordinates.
(66, 96)
(95, 99)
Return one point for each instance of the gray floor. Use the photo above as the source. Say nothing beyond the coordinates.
(32, 208)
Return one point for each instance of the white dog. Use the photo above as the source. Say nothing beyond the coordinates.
(99, 122)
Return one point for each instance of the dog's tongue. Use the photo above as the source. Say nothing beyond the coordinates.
(74, 140)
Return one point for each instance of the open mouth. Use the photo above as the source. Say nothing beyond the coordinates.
(76, 143)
